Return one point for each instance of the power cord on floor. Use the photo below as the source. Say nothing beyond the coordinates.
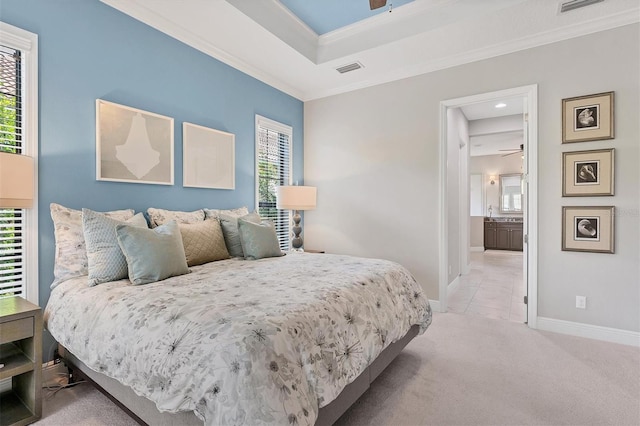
(63, 381)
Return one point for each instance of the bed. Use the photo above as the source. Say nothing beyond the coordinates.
(292, 339)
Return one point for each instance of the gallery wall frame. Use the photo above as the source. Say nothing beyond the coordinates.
(588, 118)
(588, 173)
(208, 157)
(133, 145)
(588, 229)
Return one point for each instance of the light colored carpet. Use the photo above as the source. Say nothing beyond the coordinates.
(465, 370)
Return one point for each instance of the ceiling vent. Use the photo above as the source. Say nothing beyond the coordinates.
(350, 67)
(576, 4)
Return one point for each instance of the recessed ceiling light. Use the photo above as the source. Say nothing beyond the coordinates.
(501, 105)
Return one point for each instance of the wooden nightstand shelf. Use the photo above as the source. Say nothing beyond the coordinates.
(21, 354)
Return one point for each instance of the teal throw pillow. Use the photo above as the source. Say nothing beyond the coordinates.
(152, 254)
(259, 240)
(231, 234)
(105, 259)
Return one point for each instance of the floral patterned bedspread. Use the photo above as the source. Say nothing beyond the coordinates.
(242, 342)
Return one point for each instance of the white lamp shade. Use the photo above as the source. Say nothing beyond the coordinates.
(296, 197)
(16, 181)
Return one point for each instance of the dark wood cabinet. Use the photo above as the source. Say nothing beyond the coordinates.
(503, 235)
(490, 235)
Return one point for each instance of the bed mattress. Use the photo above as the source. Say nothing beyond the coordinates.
(242, 342)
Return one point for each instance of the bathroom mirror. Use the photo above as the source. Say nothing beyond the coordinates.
(511, 193)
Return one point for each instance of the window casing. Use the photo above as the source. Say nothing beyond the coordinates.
(273, 168)
(19, 135)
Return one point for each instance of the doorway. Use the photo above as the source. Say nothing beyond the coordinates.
(454, 195)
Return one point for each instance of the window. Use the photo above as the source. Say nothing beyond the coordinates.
(273, 169)
(18, 135)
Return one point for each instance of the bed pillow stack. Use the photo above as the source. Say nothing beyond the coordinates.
(109, 246)
(71, 253)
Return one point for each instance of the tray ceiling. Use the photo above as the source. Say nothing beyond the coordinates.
(266, 40)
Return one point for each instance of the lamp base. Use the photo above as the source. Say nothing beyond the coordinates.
(296, 241)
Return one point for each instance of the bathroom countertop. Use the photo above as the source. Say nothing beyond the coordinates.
(503, 219)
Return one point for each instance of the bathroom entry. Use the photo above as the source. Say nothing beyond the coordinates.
(493, 203)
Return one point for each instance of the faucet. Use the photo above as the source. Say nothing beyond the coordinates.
(490, 211)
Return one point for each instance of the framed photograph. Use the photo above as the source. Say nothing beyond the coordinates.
(133, 145)
(587, 118)
(208, 157)
(588, 229)
(587, 173)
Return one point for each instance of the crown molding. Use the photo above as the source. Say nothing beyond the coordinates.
(147, 16)
(620, 19)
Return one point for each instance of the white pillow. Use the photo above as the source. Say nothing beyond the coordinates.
(215, 213)
(159, 216)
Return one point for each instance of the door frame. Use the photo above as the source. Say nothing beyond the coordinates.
(530, 174)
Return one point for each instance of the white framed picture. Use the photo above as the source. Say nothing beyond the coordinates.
(133, 145)
(208, 157)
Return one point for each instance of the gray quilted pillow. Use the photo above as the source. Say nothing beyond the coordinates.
(104, 255)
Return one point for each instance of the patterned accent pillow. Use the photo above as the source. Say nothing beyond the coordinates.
(159, 217)
(71, 253)
(231, 234)
(259, 240)
(215, 213)
(152, 254)
(104, 255)
(203, 242)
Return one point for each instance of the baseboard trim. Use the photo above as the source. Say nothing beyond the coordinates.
(614, 335)
(481, 248)
(453, 285)
(435, 305)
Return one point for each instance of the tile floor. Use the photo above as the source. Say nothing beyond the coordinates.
(493, 288)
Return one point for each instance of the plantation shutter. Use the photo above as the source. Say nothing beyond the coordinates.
(12, 250)
(273, 147)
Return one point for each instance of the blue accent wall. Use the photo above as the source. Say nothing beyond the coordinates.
(88, 50)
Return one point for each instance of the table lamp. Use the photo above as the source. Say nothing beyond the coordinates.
(16, 181)
(296, 198)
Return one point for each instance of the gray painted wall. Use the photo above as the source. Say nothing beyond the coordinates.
(373, 155)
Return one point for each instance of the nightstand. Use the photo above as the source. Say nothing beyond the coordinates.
(21, 354)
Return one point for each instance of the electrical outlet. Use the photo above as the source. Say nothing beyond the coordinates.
(581, 302)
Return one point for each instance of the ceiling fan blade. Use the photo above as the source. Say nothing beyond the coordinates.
(515, 149)
(375, 4)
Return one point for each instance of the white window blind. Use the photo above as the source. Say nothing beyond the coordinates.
(12, 270)
(273, 169)
(19, 134)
